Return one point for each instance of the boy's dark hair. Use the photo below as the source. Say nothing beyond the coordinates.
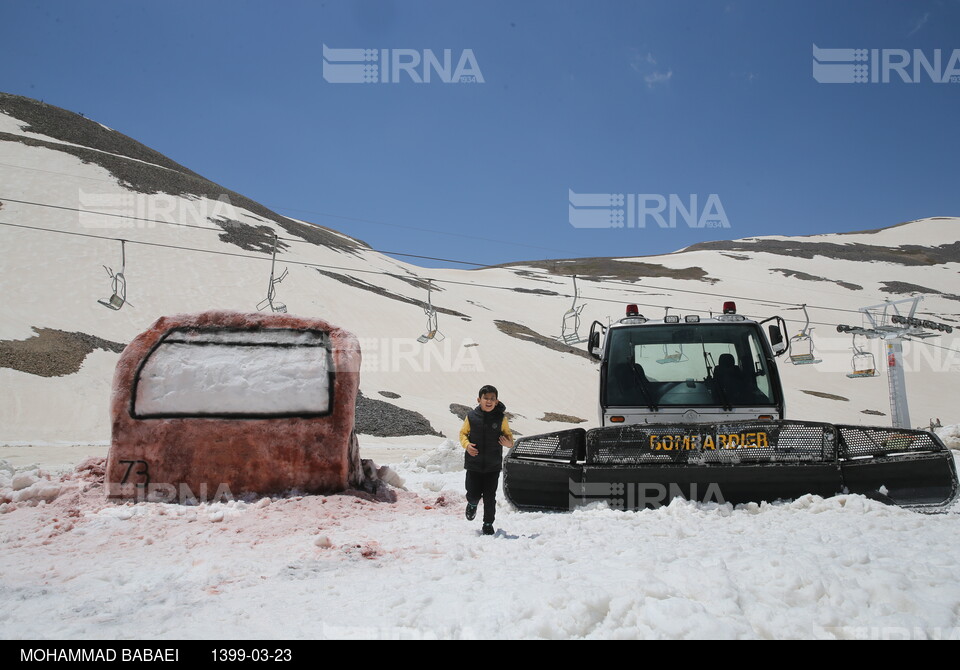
(484, 390)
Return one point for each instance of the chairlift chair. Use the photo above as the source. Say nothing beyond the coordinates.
(569, 332)
(118, 283)
(274, 306)
(864, 363)
(433, 332)
(802, 344)
(269, 301)
(676, 357)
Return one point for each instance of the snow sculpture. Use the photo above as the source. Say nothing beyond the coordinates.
(223, 403)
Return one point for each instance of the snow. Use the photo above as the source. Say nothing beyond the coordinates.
(950, 435)
(9, 124)
(270, 372)
(74, 565)
(313, 567)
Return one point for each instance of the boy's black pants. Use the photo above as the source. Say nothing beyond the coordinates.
(483, 485)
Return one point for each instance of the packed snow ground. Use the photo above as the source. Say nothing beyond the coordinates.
(76, 566)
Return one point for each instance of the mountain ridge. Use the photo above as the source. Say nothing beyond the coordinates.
(500, 324)
(151, 173)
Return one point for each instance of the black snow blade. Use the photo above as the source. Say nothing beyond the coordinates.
(544, 472)
(648, 465)
(909, 468)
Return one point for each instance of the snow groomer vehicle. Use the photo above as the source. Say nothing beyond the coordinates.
(693, 407)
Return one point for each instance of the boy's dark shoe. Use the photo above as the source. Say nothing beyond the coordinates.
(471, 511)
(487, 529)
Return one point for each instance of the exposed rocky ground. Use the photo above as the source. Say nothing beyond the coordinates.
(383, 419)
(903, 287)
(52, 353)
(521, 332)
(828, 396)
(561, 418)
(911, 255)
(250, 238)
(461, 411)
(612, 268)
(809, 277)
(379, 290)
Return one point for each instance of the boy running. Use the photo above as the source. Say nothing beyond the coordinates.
(484, 433)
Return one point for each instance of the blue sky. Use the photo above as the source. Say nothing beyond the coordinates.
(690, 98)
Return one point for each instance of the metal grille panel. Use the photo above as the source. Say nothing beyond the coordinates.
(867, 441)
(565, 446)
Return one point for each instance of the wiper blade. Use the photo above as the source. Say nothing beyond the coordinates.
(651, 405)
(725, 401)
(726, 406)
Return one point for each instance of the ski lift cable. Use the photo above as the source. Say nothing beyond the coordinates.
(394, 253)
(354, 270)
(112, 215)
(62, 174)
(292, 262)
(416, 228)
(220, 230)
(310, 265)
(347, 218)
(289, 209)
(732, 297)
(408, 255)
(437, 280)
(376, 272)
(247, 256)
(935, 346)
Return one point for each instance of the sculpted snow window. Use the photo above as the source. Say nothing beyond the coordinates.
(215, 372)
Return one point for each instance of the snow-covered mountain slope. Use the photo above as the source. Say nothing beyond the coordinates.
(70, 189)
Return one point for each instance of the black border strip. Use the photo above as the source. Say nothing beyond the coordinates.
(324, 343)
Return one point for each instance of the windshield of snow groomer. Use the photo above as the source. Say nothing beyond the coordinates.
(687, 364)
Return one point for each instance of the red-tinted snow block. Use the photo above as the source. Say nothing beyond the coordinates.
(223, 403)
